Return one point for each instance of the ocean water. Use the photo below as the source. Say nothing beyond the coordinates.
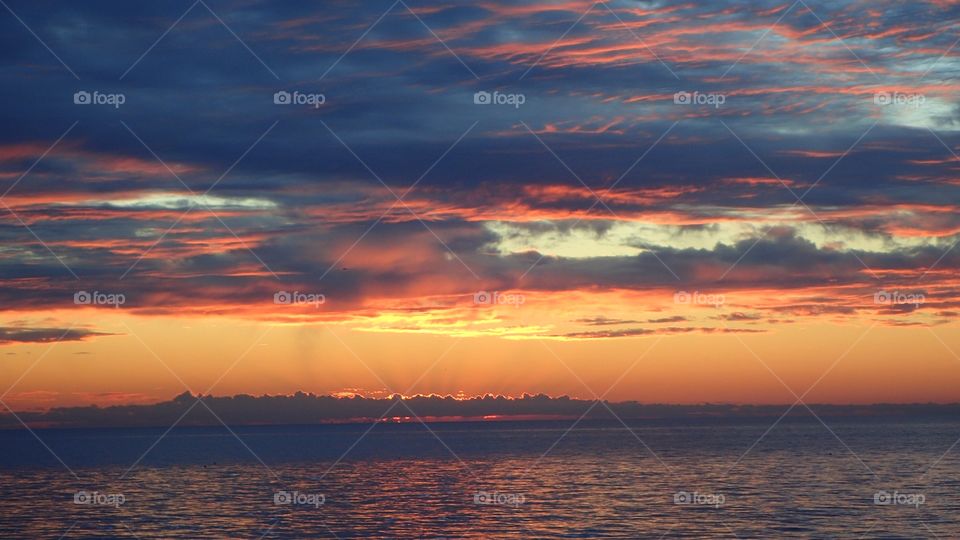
(877, 478)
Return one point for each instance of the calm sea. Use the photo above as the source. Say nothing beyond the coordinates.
(855, 479)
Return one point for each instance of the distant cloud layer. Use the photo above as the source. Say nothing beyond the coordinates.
(188, 410)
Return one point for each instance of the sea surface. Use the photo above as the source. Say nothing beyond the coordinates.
(844, 478)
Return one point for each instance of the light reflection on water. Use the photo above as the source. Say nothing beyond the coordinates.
(401, 482)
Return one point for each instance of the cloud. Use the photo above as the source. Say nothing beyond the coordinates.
(304, 409)
(739, 317)
(604, 321)
(618, 188)
(666, 320)
(19, 334)
(637, 332)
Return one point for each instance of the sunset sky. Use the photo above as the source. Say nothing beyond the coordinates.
(665, 202)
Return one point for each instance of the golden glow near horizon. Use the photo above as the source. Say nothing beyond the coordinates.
(151, 358)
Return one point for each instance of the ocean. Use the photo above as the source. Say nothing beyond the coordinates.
(853, 478)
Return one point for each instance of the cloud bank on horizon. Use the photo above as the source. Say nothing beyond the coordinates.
(309, 409)
(564, 170)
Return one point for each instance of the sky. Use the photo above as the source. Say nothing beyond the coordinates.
(664, 202)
